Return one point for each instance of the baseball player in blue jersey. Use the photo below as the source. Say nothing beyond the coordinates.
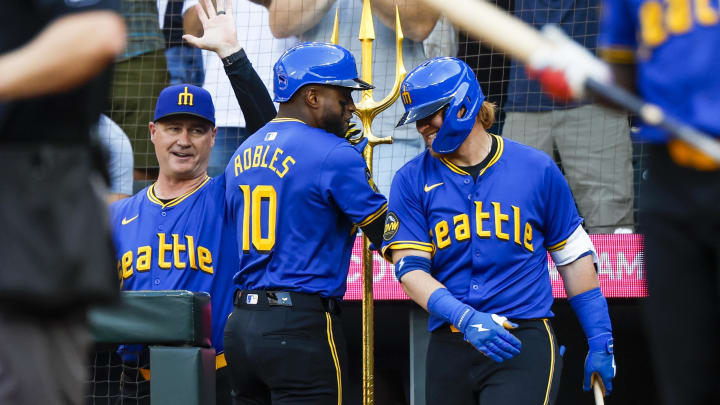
(669, 53)
(297, 190)
(175, 234)
(469, 225)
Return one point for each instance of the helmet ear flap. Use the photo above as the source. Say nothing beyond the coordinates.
(460, 100)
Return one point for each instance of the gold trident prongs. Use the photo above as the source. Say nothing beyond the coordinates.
(367, 110)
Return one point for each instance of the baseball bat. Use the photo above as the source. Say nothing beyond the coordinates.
(520, 40)
(597, 391)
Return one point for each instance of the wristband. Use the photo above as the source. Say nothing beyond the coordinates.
(229, 60)
(411, 263)
(592, 312)
(442, 303)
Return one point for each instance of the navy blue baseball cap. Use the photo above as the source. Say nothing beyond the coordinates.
(185, 99)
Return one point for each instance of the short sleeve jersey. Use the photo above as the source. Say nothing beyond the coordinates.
(488, 238)
(297, 194)
(184, 244)
(676, 46)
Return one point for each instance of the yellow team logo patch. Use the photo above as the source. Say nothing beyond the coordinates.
(185, 98)
(407, 100)
(392, 223)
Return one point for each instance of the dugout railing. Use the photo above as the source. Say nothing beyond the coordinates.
(176, 327)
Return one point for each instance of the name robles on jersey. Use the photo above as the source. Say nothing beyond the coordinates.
(257, 157)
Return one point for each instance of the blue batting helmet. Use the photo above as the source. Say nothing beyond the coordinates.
(437, 83)
(315, 63)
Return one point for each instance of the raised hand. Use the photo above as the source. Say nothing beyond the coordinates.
(219, 33)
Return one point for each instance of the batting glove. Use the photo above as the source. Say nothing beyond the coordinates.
(355, 136)
(487, 333)
(600, 364)
(563, 67)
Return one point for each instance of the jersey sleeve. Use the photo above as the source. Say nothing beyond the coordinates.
(406, 224)
(617, 40)
(346, 179)
(561, 217)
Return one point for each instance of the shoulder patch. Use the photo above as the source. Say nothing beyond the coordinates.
(392, 223)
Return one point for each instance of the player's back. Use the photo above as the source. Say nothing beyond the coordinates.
(295, 193)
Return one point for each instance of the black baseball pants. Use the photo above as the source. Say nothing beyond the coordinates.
(285, 348)
(458, 374)
(680, 217)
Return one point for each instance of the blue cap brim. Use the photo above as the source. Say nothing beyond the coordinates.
(184, 113)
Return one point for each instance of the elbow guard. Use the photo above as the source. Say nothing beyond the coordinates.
(411, 263)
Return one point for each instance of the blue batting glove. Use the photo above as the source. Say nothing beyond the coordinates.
(600, 363)
(487, 333)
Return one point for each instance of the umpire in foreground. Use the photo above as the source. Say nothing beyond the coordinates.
(55, 246)
(297, 190)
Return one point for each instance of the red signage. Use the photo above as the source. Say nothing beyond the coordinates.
(621, 269)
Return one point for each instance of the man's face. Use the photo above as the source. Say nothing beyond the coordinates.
(429, 126)
(336, 110)
(182, 145)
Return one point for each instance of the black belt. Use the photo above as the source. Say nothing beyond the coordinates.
(263, 299)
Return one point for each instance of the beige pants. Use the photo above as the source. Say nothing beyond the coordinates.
(595, 152)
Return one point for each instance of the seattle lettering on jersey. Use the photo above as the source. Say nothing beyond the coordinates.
(488, 221)
(659, 20)
(170, 253)
(257, 156)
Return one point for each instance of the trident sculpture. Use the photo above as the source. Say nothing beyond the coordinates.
(367, 110)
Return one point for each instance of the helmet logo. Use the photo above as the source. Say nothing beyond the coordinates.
(406, 96)
(282, 82)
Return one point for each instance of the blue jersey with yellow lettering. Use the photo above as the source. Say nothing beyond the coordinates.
(185, 244)
(676, 46)
(296, 194)
(488, 238)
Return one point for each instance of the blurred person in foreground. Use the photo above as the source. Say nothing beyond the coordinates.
(666, 53)
(56, 255)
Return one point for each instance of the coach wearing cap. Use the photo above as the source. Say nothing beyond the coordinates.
(174, 234)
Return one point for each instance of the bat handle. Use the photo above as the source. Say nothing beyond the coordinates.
(597, 391)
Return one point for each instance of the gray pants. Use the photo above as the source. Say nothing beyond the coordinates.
(43, 360)
(595, 153)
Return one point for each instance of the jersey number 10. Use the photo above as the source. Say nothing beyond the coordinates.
(252, 215)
